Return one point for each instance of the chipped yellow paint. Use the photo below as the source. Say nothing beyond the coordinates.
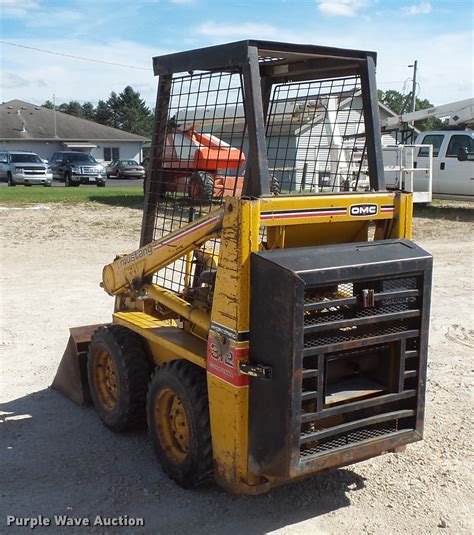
(228, 404)
(165, 340)
(289, 222)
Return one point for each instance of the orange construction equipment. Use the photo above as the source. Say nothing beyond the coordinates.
(201, 165)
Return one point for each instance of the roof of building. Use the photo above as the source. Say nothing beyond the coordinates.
(23, 120)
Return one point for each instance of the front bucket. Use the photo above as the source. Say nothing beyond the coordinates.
(71, 377)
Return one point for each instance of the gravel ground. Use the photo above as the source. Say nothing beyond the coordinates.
(57, 459)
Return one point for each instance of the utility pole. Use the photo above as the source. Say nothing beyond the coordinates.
(54, 114)
(413, 93)
(413, 89)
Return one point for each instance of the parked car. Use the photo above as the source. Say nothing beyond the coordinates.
(453, 162)
(27, 168)
(125, 169)
(75, 168)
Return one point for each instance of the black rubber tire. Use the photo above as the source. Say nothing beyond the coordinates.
(188, 381)
(10, 180)
(67, 180)
(205, 182)
(46, 185)
(134, 369)
(118, 176)
(101, 184)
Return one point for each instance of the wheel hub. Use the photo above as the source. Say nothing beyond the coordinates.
(171, 423)
(105, 375)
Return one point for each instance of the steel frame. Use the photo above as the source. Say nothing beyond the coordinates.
(262, 64)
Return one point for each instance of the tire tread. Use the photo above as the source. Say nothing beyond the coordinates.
(133, 364)
(193, 381)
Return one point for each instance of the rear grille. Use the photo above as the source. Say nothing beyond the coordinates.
(343, 328)
(354, 355)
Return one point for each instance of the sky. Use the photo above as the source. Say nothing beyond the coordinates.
(437, 33)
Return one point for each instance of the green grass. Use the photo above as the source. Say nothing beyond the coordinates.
(113, 196)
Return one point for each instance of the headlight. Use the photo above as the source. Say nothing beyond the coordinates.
(19, 170)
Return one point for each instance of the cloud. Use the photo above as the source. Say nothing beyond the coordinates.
(392, 63)
(9, 80)
(81, 80)
(56, 18)
(344, 8)
(75, 79)
(18, 8)
(36, 14)
(247, 29)
(422, 8)
(182, 2)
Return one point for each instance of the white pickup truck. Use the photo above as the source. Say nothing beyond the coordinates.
(453, 163)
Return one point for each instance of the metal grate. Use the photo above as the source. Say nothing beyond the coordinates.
(406, 283)
(315, 136)
(359, 333)
(328, 293)
(347, 312)
(202, 160)
(350, 438)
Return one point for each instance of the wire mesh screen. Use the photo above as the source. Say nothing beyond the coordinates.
(202, 161)
(315, 137)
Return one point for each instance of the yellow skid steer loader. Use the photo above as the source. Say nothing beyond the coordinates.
(281, 330)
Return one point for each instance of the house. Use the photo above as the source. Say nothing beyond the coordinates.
(313, 138)
(28, 127)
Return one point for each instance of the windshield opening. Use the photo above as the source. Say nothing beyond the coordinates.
(80, 157)
(26, 158)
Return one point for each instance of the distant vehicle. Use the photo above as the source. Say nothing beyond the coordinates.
(125, 169)
(26, 168)
(453, 162)
(453, 150)
(75, 168)
(201, 165)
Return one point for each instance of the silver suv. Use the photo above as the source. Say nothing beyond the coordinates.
(27, 168)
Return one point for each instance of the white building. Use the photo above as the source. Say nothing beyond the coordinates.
(312, 140)
(25, 126)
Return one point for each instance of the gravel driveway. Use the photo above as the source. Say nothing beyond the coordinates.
(57, 459)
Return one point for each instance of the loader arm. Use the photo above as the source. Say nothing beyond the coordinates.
(129, 271)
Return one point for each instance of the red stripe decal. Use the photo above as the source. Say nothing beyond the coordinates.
(303, 214)
(185, 233)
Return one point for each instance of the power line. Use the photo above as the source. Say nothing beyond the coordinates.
(76, 57)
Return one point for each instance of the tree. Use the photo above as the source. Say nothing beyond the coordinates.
(132, 112)
(114, 108)
(88, 111)
(48, 104)
(399, 104)
(394, 100)
(71, 108)
(74, 108)
(103, 114)
(126, 111)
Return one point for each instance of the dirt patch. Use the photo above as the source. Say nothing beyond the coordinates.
(58, 459)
